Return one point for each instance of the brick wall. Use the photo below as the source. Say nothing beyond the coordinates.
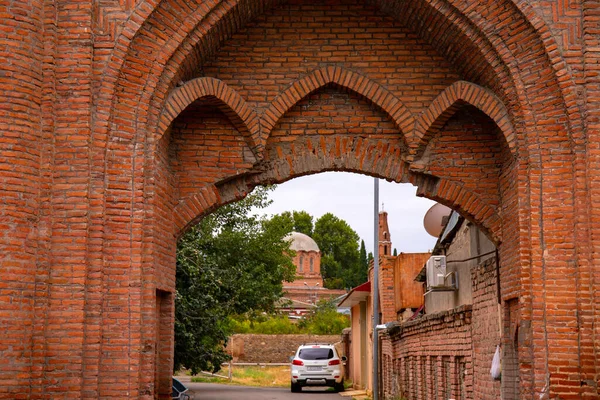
(100, 174)
(427, 358)
(387, 303)
(449, 354)
(273, 348)
(485, 329)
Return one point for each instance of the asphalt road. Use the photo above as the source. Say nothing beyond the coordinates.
(214, 391)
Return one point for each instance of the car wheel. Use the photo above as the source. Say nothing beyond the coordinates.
(295, 387)
(339, 387)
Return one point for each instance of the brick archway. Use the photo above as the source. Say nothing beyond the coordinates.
(499, 94)
(107, 189)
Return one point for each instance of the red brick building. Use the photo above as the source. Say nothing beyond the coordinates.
(307, 289)
(124, 122)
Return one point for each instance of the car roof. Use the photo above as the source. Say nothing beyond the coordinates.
(316, 344)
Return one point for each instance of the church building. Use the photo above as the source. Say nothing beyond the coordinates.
(303, 294)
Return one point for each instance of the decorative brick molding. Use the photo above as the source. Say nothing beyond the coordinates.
(449, 101)
(362, 85)
(232, 104)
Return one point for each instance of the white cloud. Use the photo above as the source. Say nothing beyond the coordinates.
(350, 197)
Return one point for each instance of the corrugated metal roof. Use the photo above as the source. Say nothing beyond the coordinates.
(452, 223)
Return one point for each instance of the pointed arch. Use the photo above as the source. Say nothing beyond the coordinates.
(319, 78)
(241, 115)
(188, 212)
(447, 103)
(457, 197)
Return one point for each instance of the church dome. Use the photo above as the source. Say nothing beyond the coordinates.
(301, 242)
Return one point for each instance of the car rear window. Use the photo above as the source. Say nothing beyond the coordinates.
(315, 354)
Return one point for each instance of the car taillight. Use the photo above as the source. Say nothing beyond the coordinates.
(334, 362)
(297, 362)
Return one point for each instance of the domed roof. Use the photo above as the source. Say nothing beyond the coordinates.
(301, 242)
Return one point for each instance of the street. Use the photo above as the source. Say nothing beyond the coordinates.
(213, 391)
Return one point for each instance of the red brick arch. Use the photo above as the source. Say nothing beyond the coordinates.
(350, 154)
(449, 101)
(340, 76)
(234, 106)
(457, 197)
(145, 68)
(91, 196)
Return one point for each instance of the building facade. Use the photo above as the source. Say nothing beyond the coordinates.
(125, 122)
(445, 350)
(400, 298)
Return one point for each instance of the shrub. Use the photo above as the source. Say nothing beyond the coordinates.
(323, 320)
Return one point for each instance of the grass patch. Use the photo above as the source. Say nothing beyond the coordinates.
(278, 376)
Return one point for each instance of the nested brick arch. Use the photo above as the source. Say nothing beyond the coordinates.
(445, 105)
(168, 41)
(481, 54)
(241, 115)
(488, 67)
(339, 76)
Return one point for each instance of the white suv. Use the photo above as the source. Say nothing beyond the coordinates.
(317, 365)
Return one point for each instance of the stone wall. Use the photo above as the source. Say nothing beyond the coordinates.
(273, 348)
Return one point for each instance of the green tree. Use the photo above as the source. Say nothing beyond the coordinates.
(303, 222)
(325, 320)
(395, 252)
(298, 221)
(363, 270)
(232, 262)
(340, 257)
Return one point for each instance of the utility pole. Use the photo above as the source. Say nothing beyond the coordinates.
(375, 291)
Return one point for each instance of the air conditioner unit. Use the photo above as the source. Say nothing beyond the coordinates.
(436, 272)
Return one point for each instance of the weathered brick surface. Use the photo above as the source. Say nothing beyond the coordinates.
(272, 348)
(422, 357)
(488, 106)
(448, 354)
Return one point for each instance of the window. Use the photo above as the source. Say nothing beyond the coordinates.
(315, 354)
(301, 264)
(311, 264)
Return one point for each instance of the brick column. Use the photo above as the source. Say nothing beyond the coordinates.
(21, 231)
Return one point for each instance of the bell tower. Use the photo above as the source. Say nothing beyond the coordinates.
(385, 239)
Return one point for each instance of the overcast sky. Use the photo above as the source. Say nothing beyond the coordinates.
(350, 197)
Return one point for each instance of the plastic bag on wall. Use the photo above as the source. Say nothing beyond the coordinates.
(496, 370)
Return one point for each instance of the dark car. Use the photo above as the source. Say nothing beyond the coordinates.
(179, 391)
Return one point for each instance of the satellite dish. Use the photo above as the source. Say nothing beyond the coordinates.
(434, 219)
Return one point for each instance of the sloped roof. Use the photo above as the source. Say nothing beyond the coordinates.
(356, 295)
